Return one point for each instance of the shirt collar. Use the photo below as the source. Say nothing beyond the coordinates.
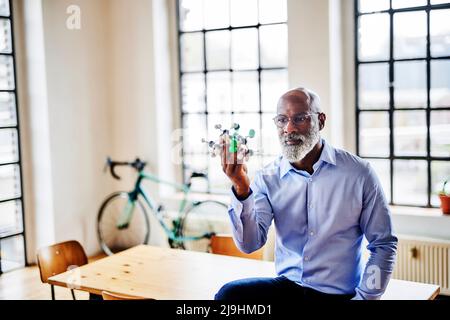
(328, 155)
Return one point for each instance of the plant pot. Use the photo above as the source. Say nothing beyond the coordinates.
(445, 203)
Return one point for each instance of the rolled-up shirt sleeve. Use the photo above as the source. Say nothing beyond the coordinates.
(251, 218)
(376, 224)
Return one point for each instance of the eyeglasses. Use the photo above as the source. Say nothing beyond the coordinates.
(298, 119)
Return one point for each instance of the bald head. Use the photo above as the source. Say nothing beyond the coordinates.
(307, 99)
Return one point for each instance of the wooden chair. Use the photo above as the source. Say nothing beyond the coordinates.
(224, 244)
(58, 258)
(115, 296)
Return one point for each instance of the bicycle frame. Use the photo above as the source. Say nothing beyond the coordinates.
(172, 233)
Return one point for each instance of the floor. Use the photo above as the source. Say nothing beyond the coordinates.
(25, 284)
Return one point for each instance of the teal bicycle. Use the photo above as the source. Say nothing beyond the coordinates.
(123, 220)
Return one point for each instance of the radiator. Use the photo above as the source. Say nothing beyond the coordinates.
(424, 260)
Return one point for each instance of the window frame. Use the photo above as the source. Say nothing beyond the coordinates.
(19, 147)
(260, 112)
(428, 8)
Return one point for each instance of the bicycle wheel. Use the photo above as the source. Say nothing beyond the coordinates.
(111, 238)
(201, 218)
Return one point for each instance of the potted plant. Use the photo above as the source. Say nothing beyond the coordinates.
(445, 199)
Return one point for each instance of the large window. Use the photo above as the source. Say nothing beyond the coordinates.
(12, 242)
(233, 68)
(403, 95)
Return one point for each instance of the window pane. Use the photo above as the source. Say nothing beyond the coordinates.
(374, 37)
(440, 172)
(193, 92)
(7, 109)
(195, 131)
(218, 50)
(4, 8)
(373, 5)
(374, 86)
(8, 146)
(247, 122)
(410, 86)
(192, 58)
(10, 218)
(440, 83)
(440, 134)
(6, 73)
(397, 4)
(217, 14)
(274, 51)
(5, 36)
(245, 91)
(383, 170)
(191, 15)
(244, 12)
(244, 49)
(270, 141)
(13, 253)
(197, 163)
(410, 35)
(438, 1)
(410, 182)
(214, 119)
(271, 11)
(9, 182)
(439, 32)
(274, 83)
(219, 92)
(410, 133)
(374, 134)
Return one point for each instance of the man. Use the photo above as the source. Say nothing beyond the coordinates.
(323, 202)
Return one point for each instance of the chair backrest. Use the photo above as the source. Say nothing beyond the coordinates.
(224, 244)
(58, 258)
(115, 296)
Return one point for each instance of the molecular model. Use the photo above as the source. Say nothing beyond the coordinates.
(237, 143)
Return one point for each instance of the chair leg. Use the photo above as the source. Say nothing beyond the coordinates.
(73, 294)
(53, 291)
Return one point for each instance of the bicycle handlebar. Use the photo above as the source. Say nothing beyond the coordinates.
(139, 166)
(136, 164)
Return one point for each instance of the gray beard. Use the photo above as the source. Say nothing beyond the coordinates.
(298, 152)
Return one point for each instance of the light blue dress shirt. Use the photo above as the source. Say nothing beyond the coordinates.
(320, 221)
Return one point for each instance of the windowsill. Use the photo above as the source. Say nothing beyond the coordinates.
(418, 212)
(201, 196)
(395, 210)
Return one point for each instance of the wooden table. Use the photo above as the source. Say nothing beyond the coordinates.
(167, 274)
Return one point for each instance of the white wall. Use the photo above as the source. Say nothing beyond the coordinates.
(135, 78)
(318, 34)
(66, 103)
(34, 124)
(87, 94)
(79, 115)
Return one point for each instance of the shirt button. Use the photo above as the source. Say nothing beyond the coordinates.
(311, 206)
(311, 233)
(310, 180)
(306, 258)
